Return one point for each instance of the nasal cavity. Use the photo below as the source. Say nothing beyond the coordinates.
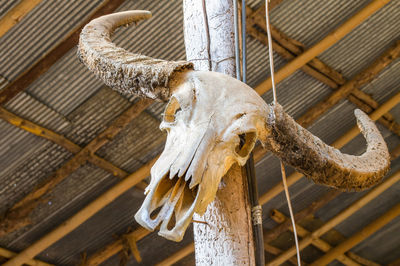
(247, 141)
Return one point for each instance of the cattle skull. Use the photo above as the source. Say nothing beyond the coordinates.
(205, 115)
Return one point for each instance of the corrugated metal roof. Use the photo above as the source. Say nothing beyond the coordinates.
(69, 100)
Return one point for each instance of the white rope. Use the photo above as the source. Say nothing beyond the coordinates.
(285, 186)
(271, 56)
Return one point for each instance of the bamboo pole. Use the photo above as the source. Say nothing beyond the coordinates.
(16, 14)
(9, 254)
(322, 45)
(322, 245)
(359, 236)
(372, 194)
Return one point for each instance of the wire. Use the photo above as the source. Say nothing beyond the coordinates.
(236, 29)
(285, 186)
(207, 33)
(244, 61)
(256, 210)
(271, 56)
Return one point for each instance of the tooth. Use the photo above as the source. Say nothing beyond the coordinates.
(172, 173)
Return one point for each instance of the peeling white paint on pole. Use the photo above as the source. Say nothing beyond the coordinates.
(227, 238)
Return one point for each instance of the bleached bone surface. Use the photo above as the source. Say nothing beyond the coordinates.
(206, 114)
(203, 125)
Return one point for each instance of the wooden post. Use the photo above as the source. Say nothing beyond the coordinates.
(227, 238)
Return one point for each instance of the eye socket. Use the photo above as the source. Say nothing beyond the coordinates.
(172, 108)
(247, 141)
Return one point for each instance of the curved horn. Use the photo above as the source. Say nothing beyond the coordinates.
(122, 70)
(322, 163)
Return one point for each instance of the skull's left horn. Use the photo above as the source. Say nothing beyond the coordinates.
(322, 163)
(122, 70)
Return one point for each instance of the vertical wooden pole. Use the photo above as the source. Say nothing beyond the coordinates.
(227, 238)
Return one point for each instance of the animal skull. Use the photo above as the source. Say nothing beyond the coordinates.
(205, 115)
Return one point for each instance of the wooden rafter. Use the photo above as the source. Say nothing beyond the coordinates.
(350, 210)
(361, 260)
(16, 216)
(339, 143)
(364, 77)
(82, 215)
(317, 242)
(16, 14)
(9, 254)
(292, 179)
(49, 59)
(63, 142)
(358, 237)
(289, 48)
(270, 235)
(48, 239)
(312, 208)
(322, 45)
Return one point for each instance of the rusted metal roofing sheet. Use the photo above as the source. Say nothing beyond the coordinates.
(69, 100)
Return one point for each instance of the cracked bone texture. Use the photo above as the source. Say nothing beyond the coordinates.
(202, 144)
(122, 70)
(324, 164)
(206, 114)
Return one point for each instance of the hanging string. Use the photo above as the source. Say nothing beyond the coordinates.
(256, 209)
(271, 56)
(285, 186)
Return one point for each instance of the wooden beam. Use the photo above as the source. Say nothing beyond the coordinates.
(38, 130)
(361, 260)
(276, 251)
(350, 210)
(289, 68)
(322, 45)
(81, 216)
(16, 216)
(312, 208)
(9, 254)
(116, 246)
(63, 142)
(359, 80)
(16, 14)
(359, 236)
(174, 258)
(289, 48)
(322, 245)
(50, 58)
(320, 108)
(339, 143)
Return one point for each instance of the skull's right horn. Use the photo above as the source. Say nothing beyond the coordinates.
(121, 70)
(322, 163)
